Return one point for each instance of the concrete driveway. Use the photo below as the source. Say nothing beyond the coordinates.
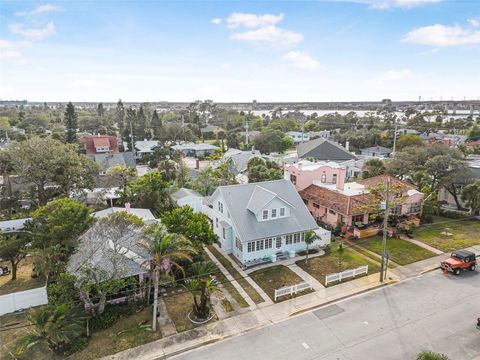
(434, 311)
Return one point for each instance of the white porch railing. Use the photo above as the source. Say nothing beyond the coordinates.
(293, 289)
(346, 274)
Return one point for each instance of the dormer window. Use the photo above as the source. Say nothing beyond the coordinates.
(265, 215)
(324, 178)
(274, 213)
(282, 212)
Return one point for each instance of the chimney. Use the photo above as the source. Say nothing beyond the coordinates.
(341, 176)
(127, 207)
(300, 166)
(347, 145)
(197, 164)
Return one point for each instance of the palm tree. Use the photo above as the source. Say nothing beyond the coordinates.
(202, 285)
(166, 250)
(57, 326)
(310, 237)
(430, 355)
(471, 196)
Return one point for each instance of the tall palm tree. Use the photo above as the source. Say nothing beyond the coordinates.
(204, 285)
(310, 238)
(167, 249)
(57, 326)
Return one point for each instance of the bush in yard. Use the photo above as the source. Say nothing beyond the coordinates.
(62, 291)
(430, 355)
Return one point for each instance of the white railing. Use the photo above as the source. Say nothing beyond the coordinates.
(23, 300)
(346, 274)
(293, 289)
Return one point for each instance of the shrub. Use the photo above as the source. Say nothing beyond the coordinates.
(113, 313)
(430, 355)
(62, 291)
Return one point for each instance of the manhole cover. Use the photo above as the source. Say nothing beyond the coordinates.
(328, 311)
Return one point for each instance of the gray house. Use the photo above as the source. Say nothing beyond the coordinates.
(324, 149)
(261, 221)
(377, 151)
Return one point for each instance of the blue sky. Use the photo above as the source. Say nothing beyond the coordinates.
(239, 51)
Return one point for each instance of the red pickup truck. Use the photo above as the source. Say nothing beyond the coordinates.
(458, 261)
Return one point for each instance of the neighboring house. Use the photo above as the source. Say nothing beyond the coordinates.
(446, 199)
(348, 203)
(13, 226)
(324, 150)
(472, 145)
(188, 197)
(211, 130)
(298, 137)
(97, 196)
(106, 161)
(261, 221)
(407, 132)
(116, 253)
(144, 214)
(100, 144)
(304, 173)
(145, 147)
(238, 162)
(195, 150)
(451, 140)
(377, 151)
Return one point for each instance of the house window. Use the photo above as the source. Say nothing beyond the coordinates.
(265, 215)
(251, 246)
(296, 238)
(220, 207)
(316, 206)
(324, 178)
(216, 222)
(302, 237)
(282, 212)
(224, 235)
(289, 239)
(331, 212)
(238, 244)
(278, 242)
(334, 179)
(305, 201)
(268, 243)
(415, 207)
(259, 245)
(274, 213)
(293, 179)
(357, 218)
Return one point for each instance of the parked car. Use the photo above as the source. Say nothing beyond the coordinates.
(458, 261)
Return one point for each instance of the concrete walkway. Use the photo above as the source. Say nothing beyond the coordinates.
(258, 289)
(422, 245)
(306, 276)
(230, 278)
(286, 262)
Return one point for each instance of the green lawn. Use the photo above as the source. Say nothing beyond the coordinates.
(178, 307)
(465, 233)
(126, 333)
(402, 251)
(254, 295)
(275, 277)
(328, 264)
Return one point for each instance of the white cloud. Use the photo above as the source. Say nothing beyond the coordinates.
(387, 4)
(216, 21)
(442, 35)
(252, 20)
(42, 9)
(270, 34)
(394, 75)
(474, 22)
(33, 33)
(302, 60)
(12, 49)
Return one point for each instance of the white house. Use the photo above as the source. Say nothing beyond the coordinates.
(298, 136)
(12, 226)
(144, 214)
(188, 197)
(261, 221)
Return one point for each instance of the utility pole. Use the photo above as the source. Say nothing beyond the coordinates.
(132, 143)
(395, 139)
(384, 240)
(246, 130)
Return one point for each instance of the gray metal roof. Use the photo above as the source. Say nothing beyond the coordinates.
(238, 197)
(183, 193)
(324, 149)
(378, 149)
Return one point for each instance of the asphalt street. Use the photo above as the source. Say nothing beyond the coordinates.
(432, 312)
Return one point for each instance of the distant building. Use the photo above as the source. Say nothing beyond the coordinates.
(237, 161)
(304, 173)
(145, 147)
(298, 137)
(323, 149)
(107, 161)
(211, 130)
(376, 151)
(13, 226)
(195, 150)
(144, 214)
(100, 144)
(188, 197)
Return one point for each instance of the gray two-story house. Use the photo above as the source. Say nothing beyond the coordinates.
(261, 221)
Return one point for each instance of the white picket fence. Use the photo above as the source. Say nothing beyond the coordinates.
(23, 300)
(293, 289)
(346, 274)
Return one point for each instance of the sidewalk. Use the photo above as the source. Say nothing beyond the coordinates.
(242, 323)
(422, 245)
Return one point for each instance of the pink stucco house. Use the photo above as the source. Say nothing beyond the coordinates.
(346, 203)
(304, 173)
